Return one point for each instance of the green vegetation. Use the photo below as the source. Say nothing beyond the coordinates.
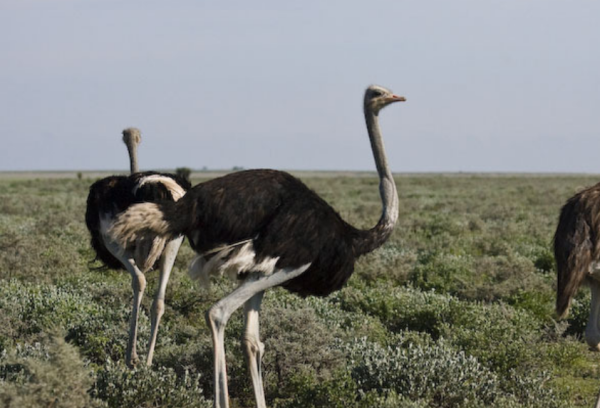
(184, 172)
(456, 310)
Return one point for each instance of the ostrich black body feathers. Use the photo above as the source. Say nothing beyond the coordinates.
(283, 217)
(113, 195)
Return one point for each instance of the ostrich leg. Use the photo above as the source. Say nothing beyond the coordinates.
(592, 331)
(158, 306)
(218, 315)
(138, 284)
(253, 347)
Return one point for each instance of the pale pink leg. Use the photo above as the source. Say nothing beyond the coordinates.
(592, 331)
(138, 284)
(219, 314)
(158, 306)
(253, 347)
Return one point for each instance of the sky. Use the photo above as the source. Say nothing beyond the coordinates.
(491, 86)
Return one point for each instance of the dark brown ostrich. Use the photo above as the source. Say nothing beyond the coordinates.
(267, 229)
(577, 254)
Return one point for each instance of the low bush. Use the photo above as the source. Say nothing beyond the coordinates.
(47, 374)
(439, 374)
(119, 386)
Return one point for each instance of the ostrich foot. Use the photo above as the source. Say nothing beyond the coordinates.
(592, 338)
(132, 361)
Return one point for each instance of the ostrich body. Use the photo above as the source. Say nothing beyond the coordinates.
(112, 195)
(577, 254)
(267, 229)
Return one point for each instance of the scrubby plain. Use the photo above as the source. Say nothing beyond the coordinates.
(456, 310)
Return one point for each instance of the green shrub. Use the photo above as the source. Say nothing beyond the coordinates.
(45, 375)
(500, 336)
(579, 313)
(437, 373)
(400, 308)
(338, 391)
(184, 172)
(30, 308)
(120, 387)
(544, 261)
(539, 304)
(296, 342)
(439, 271)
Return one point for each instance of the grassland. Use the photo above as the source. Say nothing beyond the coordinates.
(456, 310)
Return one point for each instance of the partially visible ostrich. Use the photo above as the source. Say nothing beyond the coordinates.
(267, 229)
(577, 254)
(110, 196)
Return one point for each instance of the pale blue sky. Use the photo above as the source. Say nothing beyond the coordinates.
(495, 85)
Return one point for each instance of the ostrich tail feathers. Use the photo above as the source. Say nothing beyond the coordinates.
(147, 252)
(140, 222)
(571, 276)
(573, 252)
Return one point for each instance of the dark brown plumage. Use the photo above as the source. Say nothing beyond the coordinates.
(577, 253)
(286, 220)
(576, 244)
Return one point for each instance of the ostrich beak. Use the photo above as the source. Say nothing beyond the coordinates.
(396, 98)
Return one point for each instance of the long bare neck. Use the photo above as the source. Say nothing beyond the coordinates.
(133, 164)
(373, 238)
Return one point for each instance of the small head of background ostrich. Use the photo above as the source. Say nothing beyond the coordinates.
(132, 137)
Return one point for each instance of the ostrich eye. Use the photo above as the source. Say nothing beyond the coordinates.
(377, 94)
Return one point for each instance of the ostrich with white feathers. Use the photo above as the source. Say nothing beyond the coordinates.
(109, 197)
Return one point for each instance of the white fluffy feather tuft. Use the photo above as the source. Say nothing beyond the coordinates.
(176, 190)
(230, 261)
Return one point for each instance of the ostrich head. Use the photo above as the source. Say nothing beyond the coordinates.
(132, 136)
(378, 97)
